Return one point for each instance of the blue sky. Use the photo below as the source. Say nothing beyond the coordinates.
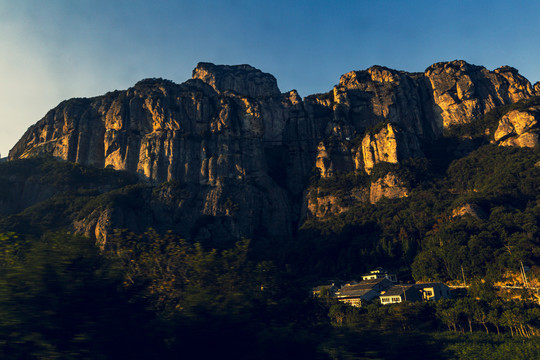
(58, 49)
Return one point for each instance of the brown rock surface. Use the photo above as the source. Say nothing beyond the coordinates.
(321, 205)
(378, 94)
(519, 128)
(187, 133)
(462, 92)
(389, 186)
(469, 209)
(388, 145)
(231, 137)
(244, 80)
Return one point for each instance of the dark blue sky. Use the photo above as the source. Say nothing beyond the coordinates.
(58, 49)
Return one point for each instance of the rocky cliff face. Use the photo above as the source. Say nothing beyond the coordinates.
(389, 145)
(243, 80)
(245, 151)
(519, 128)
(463, 92)
(389, 186)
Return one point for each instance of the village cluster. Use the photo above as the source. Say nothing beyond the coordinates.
(381, 284)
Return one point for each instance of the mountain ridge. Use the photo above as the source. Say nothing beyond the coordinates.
(236, 157)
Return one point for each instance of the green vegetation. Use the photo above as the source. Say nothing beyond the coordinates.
(56, 193)
(339, 183)
(147, 296)
(459, 328)
(60, 299)
(421, 233)
(504, 183)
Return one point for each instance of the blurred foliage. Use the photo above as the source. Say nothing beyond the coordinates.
(60, 299)
(145, 297)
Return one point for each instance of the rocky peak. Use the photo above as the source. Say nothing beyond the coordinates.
(151, 82)
(507, 69)
(463, 92)
(375, 74)
(244, 80)
(454, 66)
(518, 87)
(537, 88)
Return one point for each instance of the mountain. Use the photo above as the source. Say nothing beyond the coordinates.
(226, 155)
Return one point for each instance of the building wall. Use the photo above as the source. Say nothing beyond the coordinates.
(354, 302)
(385, 300)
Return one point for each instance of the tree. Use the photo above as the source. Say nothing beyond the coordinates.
(448, 313)
(481, 314)
(58, 296)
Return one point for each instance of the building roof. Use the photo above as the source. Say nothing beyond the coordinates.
(397, 290)
(368, 284)
(363, 287)
(354, 292)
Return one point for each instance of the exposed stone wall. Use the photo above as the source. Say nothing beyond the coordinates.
(229, 133)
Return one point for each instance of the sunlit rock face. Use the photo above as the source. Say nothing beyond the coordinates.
(389, 145)
(379, 94)
(519, 128)
(246, 151)
(164, 131)
(462, 92)
(214, 141)
(472, 210)
(321, 206)
(389, 186)
(243, 80)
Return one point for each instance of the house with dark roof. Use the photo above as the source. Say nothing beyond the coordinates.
(355, 296)
(355, 293)
(374, 284)
(415, 292)
(400, 293)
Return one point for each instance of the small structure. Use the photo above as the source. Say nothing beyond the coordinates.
(400, 293)
(375, 284)
(433, 291)
(380, 273)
